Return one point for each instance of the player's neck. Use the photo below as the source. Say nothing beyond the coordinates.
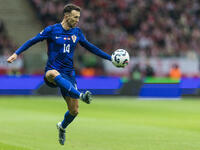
(65, 25)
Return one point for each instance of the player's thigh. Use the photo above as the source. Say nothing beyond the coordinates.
(72, 104)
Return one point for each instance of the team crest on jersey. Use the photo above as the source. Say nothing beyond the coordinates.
(74, 38)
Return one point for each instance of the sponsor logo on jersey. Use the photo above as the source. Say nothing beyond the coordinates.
(74, 38)
(57, 37)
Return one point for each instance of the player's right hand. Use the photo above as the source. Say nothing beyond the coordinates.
(12, 58)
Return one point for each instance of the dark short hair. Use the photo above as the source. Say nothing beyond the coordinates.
(69, 7)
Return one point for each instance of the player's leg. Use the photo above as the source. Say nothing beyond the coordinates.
(72, 111)
(68, 117)
(53, 76)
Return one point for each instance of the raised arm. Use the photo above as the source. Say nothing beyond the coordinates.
(92, 48)
(39, 37)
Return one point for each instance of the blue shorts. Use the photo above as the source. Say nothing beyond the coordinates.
(69, 78)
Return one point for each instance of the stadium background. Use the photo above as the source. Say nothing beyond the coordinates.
(163, 45)
(163, 40)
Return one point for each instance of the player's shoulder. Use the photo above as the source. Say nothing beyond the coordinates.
(57, 25)
(78, 30)
(52, 27)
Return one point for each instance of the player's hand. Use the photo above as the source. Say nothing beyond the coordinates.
(12, 58)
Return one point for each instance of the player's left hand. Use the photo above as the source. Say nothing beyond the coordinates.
(12, 58)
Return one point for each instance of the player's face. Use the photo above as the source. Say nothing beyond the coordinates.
(73, 18)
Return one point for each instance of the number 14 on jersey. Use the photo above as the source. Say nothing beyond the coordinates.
(66, 48)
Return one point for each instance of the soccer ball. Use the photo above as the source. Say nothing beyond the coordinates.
(120, 58)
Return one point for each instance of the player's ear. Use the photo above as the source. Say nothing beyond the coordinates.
(66, 15)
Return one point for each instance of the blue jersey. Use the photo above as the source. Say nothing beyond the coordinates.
(61, 46)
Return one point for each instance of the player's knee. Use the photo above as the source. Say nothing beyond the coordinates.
(74, 112)
(51, 74)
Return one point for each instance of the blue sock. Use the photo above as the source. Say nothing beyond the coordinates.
(68, 118)
(66, 85)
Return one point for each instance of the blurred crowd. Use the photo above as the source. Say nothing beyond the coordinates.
(7, 46)
(148, 28)
(145, 28)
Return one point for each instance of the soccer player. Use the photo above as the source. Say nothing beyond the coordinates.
(62, 39)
